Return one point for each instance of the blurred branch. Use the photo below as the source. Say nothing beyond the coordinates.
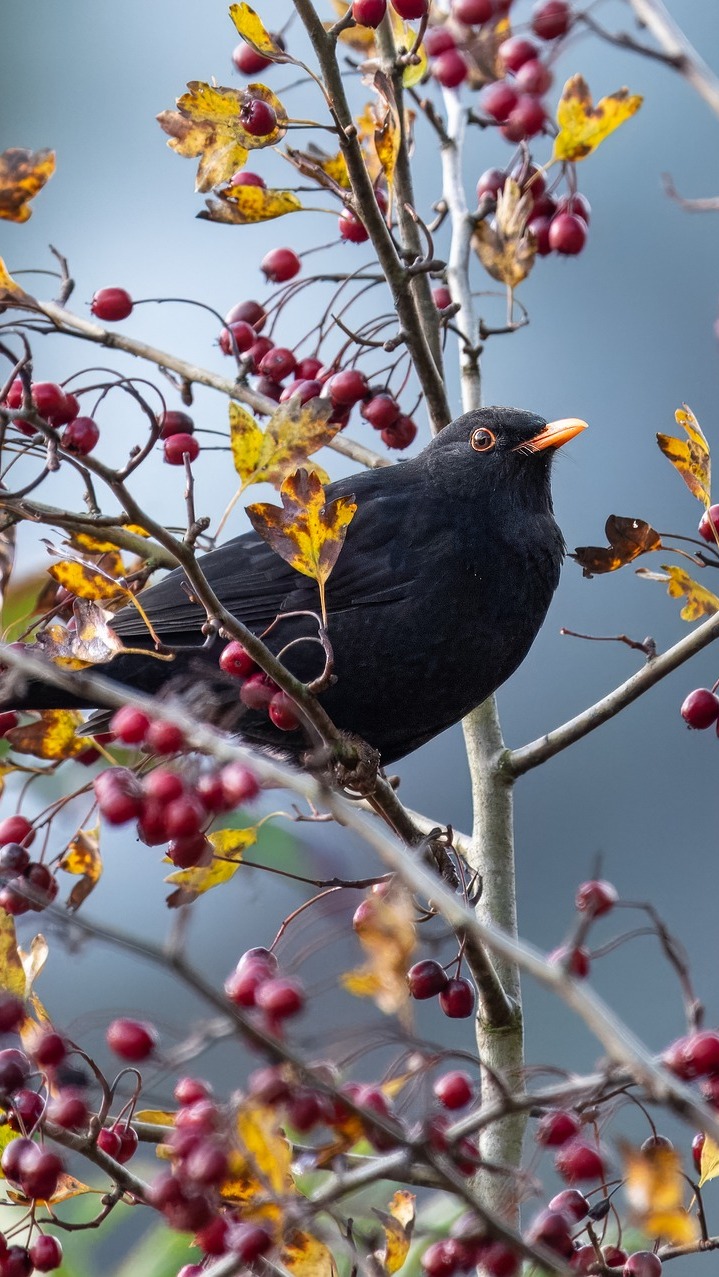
(653, 15)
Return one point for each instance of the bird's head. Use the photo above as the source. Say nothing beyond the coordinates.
(499, 448)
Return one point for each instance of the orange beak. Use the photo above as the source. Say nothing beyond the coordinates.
(555, 434)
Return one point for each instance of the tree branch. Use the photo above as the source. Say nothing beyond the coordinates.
(654, 16)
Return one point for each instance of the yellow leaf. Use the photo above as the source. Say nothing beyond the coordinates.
(85, 580)
(700, 601)
(253, 32)
(83, 857)
(328, 171)
(208, 124)
(709, 1161)
(583, 126)
(228, 846)
(292, 434)
(307, 532)
(53, 735)
(398, 1224)
(245, 205)
(22, 175)
(260, 1161)
(33, 960)
(655, 1187)
(367, 124)
(387, 935)
(155, 1117)
(12, 973)
(306, 1256)
(692, 459)
(504, 246)
(95, 545)
(7, 283)
(388, 133)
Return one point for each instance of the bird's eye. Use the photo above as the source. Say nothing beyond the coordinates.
(482, 440)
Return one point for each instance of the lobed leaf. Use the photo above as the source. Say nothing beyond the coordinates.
(208, 124)
(91, 642)
(292, 434)
(627, 537)
(328, 171)
(700, 601)
(504, 246)
(246, 205)
(583, 126)
(22, 175)
(691, 458)
(53, 735)
(306, 1256)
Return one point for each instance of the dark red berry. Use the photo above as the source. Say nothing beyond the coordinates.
(16, 1155)
(189, 851)
(164, 737)
(12, 1013)
(534, 77)
(499, 1261)
(257, 692)
(48, 1048)
(239, 335)
(348, 387)
(551, 19)
(577, 959)
(280, 998)
(179, 446)
(439, 39)
(596, 897)
(572, 1203)
(643, 1263)
(450, 69)
(454, 1090)
(163, 785)
(16, 829)
(236, 661)
(80, 436)
(700, 709)
(108, 1141)
(208, 788)
(410, 9)
(440, 1259)
(701, 1053)
(539, 225)
(492, 181)
(709, 524)
(442, 297)
(111, 304)
(16, 1262)
(578, 1161)
(247, 61)
(185, 817)
(473, 12)
(8, 720)
(301, 390)
(401, 434)
(556, 1127)
(27, 1109)
(69, 1109)
(426, 979)
(239, 784)
(499, 100)
(250, 312)
(567, 234)
(38, 1180)
(552, 1229)
(351, 228)
(308, 368)
(277, 364)
(249, 1242)
(175, 423)
(68, 411)
(458, 998)
(45, 1253)
(283, 712)
(129, 725)
(132, 1040)
(13, 858)
(369, 13)
(257, 117)
(280, 264)
(525, 120)
(14, 1070)
(243, 178)
(515, 51)
(614, 1256)
(382, 411)
(697, 1149)
(577, 204)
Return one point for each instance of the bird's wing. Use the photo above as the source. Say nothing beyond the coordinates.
(255, 584)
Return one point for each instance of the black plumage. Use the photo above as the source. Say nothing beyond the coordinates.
(447, 572)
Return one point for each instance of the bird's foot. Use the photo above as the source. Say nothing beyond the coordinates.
(353, 764)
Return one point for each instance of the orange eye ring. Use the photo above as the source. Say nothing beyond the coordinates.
(482, 440)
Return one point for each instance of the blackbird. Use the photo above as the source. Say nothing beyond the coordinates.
(447, 571)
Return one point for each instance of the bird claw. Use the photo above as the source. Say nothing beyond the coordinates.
(353, 763)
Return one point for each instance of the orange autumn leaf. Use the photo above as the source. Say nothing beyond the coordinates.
(388, 132)
(655, 1188)
(67, 1187)
(253, 31)
(627, 537)
(260, 1162)
(22, 175)
(398, 1224)
(306, 1256)
(208, 124)
(83, 858)
(246, 205)
(690, 457)
(699, 600)
(308, 531)
(583, 126)
(53, 735)
(292, 434)
(388, 936)
(505, 246)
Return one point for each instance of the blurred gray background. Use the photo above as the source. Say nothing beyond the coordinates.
(620, 336)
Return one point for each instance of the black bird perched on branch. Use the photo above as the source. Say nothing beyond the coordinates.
(444, 580)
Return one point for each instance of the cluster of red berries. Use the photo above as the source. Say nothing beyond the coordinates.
(177, 431)
(26, 884)
(258, 691)
(256, 982)
(696, 1058)
(594, 898)
(59, 408)
(559, 225)
(428, 979)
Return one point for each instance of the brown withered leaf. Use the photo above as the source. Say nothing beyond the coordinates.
(398, 1224)
(328, 171)
(22, 175)
(482, 51)
(250, 26)
(91, 642)
(292, 434)
(582, 126)
(691, 458)
(245, 205)
(308, 532)
(388, 132)
(700, 601)
(367, 123)
(67, 1187)
(387, 934)
(505, 246)
(208, 124)
(53, 735)
(83, 858)
(627, 537)
(655, 1189)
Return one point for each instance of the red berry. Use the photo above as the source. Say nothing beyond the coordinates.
(45, 1253)
(515, 51)
(401, 434)
(132, 1040)
(709, 524)
(499, 100)
(119, 795)
(175, 423)
(577, 204)
(567, 234)
(108, 1141)
(348, 387)
(555, 1128)
(539, 225)
(440, 1259)
(38, 1180)
(301, 390)
(551, 19)
(442, 297)
(697, 1148)
(351, 228)
(50, 401)
(239, 784)
(13, 858)
(244, 337)
(450, 69)
(185, 817)
(280, 998)
(596, 897)
(69, 1109)
(208, 788)
(699, 710)
(48, 1048)
(249, 1242)
(68, 412)
(16, 829)
(473, 12)
(283, 712)
(438, 40)
(701, 1053)
(257, 692)
(236, 661)
(111, 304)
(525, 120)
(307, 369)
(578, 960)
(189, 1090)
(163, 737)
(178, 446)
(80, 436)
(251, 312)
(280, 264)
(242, 984)
(247, 61)
(614, 1256)
(382, 411)
(369, 13)
(492, 181)
(499, 1261)
(194, 849)
(257, 117)
(454, 1090)
(410, 9)
(572, 1203)
(207, 1164)
(163, 786)
(14, 1070)
(8, 720)
(643, 1263)
(12, 1013)
(243, 178)
(129, 725)
(426, 979)
(198, 1119)
(458, 998)
(16, 1262)
(16, 1155)
(551, 1228)
(534, 77)
(277, 364)
(577, 1161)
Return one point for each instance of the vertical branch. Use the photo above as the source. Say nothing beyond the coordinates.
(501, 1047)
